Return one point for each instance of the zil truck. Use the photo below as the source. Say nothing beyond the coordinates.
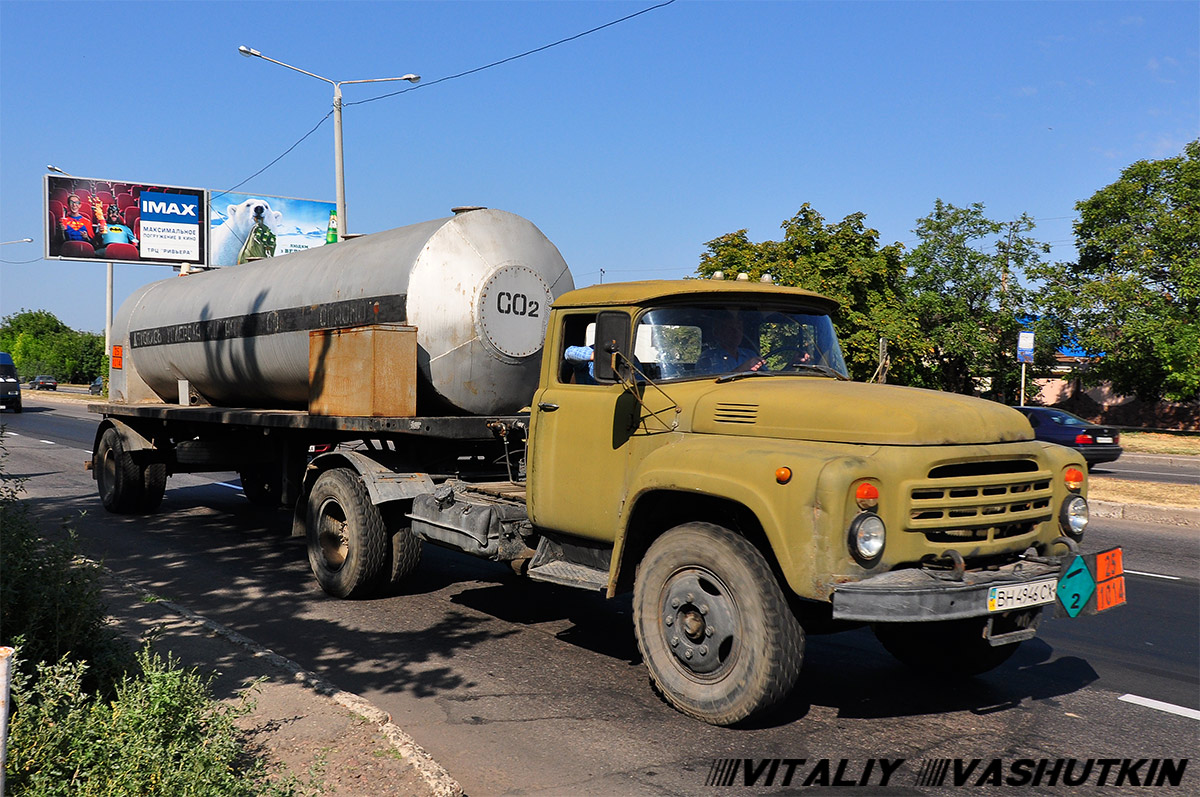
(695, 442)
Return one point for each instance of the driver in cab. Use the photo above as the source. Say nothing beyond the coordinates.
(727, 352)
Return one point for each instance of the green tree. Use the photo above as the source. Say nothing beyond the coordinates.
(843, 261)
(966, 293)
(42, 344)
(1133, 299)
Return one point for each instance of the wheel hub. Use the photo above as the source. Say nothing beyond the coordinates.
(699, 622)
(335, 546)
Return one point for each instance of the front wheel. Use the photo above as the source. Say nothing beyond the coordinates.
(954, 648)
(713, 626)
(347, 540)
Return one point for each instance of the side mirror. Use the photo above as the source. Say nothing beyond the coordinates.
(612, 337)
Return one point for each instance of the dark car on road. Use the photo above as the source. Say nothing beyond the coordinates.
(97, 386)
(43, 383)
(1097, 443)
(10, 384)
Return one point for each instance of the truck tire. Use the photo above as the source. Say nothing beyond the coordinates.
(347, 540)
(118, 477)
(154, 486)
(713, 626)
(406, 555)
(954, 648)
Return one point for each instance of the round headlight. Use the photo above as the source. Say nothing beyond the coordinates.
(1074, 516)
(867, 534)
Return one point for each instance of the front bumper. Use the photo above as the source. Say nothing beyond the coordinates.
(923, 595)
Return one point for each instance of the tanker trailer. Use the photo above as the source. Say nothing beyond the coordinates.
(214, 371)
(477, 287)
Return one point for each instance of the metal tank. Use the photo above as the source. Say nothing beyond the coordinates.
(477, 286)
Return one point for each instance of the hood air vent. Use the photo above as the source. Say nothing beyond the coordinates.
(735, 413)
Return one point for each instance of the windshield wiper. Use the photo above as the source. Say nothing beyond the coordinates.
(823, 369)
(743, 375)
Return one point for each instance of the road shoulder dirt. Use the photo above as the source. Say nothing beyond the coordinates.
(329, 740)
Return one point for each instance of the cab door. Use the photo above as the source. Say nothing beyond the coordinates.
(579, 440)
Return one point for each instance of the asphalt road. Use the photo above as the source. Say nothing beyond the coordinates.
(518, 687)
(1170, 470)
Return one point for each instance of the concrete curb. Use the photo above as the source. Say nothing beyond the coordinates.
(439, 781)
(1174, 460)
(1177, 516)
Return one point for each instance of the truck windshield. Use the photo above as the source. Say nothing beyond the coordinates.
(692, 341)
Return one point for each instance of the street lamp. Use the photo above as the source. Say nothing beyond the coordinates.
(18, 241)
(337, 124)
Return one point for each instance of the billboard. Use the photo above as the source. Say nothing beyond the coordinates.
(242, 226)
(107, 220)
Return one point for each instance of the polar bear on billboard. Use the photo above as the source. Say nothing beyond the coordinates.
(228, 238)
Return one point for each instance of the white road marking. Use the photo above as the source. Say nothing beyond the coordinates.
(230, 486)
(1159, 705)
(1152, 575)
(49, 442)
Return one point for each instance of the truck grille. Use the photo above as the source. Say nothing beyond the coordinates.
(726, 412)
(980, 501)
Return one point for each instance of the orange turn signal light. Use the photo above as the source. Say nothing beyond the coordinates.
(1074, 479)
(866, 495)
(783, 475)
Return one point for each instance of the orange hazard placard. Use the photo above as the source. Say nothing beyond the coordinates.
(1109, 564)
(1110, 593)
(116, 357)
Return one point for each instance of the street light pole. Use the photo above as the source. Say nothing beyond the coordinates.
(338, 162)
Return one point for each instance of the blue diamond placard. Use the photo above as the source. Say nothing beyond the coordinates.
(1075, 587)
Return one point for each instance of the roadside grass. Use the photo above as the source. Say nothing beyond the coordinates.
(1156, 443)
(1121, 491)
(89, 716)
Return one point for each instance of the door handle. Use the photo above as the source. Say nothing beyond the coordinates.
(546, 406)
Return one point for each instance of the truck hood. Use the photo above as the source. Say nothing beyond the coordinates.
(825, 410)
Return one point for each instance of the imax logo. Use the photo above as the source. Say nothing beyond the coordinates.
(177, 208)
(170, 208)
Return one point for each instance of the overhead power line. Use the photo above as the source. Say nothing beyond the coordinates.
(512, 57)
(477, 69)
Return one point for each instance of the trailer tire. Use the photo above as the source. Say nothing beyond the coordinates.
(953, 648)
(154, 486)
(406, 555)
(713, 625)
(118, 477)
(347, 540)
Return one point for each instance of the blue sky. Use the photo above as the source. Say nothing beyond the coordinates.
(630, 147)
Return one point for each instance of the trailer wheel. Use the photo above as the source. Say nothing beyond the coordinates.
(347, 540)
(954, 648)
(154, 485)
(118, 477)
(406, 555)
(713, 626)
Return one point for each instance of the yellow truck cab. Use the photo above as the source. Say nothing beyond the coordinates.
(750, 491)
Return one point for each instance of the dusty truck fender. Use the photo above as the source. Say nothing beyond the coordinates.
(787, 513)
(384, 483)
